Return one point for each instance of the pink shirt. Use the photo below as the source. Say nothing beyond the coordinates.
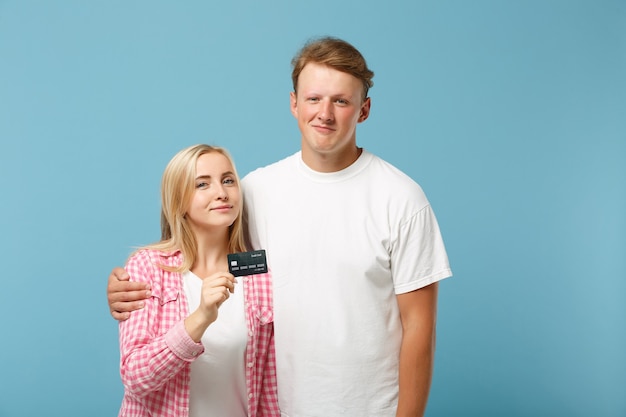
(156, 351)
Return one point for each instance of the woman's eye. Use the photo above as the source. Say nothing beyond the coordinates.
(202, 185)
(229, 181)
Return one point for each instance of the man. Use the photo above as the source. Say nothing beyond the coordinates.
(355, 252)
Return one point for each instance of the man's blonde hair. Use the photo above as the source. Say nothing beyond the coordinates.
(335, 53)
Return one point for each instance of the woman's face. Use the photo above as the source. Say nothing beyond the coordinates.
(216, 201)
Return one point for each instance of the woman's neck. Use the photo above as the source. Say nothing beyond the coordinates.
(211, 255)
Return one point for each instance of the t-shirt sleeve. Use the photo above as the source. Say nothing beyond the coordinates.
(418, 254)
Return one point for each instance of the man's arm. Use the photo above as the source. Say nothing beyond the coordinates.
(418, 312)
(125, 296)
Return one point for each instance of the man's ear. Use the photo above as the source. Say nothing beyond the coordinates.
(293, 106)
(365, 110)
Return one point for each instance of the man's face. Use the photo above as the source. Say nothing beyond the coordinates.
(328, 105)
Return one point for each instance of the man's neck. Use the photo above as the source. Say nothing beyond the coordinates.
(322, 162)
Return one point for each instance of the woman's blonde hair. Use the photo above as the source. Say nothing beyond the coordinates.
(177, 190)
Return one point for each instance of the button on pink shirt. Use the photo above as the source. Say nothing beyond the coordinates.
(156, 350)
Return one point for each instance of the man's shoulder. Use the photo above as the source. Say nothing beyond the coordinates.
(386, 169)
(397, 186)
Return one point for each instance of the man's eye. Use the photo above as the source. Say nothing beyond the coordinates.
(313, 99)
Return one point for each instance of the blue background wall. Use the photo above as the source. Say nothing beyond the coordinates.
(511, 115)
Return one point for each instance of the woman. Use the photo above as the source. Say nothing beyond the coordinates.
(203, 345)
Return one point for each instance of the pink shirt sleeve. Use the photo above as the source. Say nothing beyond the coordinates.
(151, 356)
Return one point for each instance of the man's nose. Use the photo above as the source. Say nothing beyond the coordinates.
(325, 113)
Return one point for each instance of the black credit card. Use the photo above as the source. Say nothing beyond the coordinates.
(247, 263)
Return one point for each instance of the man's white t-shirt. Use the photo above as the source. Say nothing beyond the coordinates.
(341, 246)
